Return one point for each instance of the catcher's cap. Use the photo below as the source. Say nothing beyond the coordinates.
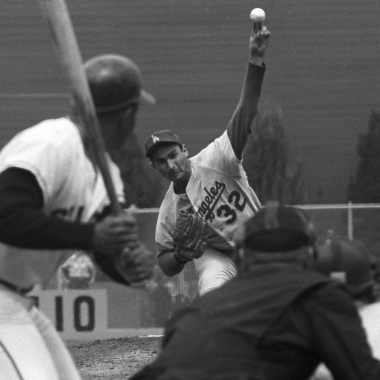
(115, 83)
(160, 138)
(277, 228)
(346, 260)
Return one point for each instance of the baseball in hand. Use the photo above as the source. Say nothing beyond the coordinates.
(257, 15)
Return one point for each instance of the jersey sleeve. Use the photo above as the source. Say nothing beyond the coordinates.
(220, 156)
(169, 265)
(225, 153)
(43, 150)
(23, 224)
(239, 126)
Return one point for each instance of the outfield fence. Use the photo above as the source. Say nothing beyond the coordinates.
(107, 306)
(355, 221)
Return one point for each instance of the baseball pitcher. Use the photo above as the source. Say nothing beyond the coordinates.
(209, 197)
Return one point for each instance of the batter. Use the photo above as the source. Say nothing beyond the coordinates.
(51, 192)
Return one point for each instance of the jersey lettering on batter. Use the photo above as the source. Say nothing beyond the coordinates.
(206, 210)
(72, 213)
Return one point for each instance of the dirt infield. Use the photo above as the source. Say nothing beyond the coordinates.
(114, 359)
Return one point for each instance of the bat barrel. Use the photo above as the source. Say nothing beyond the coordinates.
(65, 43)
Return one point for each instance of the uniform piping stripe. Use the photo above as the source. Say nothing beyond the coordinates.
(11, 360)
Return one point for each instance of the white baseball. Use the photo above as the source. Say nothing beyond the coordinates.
(257, 15)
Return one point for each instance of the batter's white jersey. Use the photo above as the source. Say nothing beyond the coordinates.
(218, 190)
(72, 189)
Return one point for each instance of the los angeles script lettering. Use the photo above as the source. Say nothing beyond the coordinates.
(206, 210)
(235, 198)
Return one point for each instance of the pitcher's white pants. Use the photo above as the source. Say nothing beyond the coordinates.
(213, 269)
(30, 346)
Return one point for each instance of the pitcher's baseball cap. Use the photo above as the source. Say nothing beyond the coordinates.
(277, 228)
(160, 138)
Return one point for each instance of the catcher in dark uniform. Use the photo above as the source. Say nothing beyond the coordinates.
(277, 320)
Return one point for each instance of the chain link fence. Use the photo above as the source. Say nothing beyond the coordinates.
(167, 294)
(355, 221)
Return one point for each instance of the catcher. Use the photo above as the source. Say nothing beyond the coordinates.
(276, 320)
(210, 189)
(351, 262)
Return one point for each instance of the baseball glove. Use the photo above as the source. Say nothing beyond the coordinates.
(190, 236)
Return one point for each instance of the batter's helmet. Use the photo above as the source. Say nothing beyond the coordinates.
(115, 83)
(348, 261)
(277, 228)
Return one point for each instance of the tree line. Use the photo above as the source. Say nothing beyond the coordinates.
(274, 170)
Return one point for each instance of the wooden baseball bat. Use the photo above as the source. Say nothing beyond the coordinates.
(65, 43)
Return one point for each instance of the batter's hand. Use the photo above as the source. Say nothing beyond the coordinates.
(113, 233)
(258, 44)
(136, 265)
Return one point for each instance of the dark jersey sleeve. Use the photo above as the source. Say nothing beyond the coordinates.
(239, 126)
(23, 223)
(168, 263)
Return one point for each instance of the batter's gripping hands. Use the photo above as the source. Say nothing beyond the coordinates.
(131, 266)
(136, 265)
(190, 236)
(119, 252)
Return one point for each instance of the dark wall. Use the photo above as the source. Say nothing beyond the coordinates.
(323, 70)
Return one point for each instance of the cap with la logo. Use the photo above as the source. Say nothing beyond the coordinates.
(160, 138)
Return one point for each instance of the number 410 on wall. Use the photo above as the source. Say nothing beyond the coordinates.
(79, 311)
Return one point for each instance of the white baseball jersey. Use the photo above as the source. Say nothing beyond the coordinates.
(72, 189)
(218, 190)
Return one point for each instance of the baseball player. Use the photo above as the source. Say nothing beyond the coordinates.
(276, 320)
(210, 189)
(52, 197)
(350, 262)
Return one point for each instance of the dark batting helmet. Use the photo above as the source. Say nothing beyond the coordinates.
(115, 83)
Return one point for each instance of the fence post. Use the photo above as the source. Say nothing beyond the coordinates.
(350, 224)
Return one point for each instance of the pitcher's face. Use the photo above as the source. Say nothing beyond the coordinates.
(172, 162)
